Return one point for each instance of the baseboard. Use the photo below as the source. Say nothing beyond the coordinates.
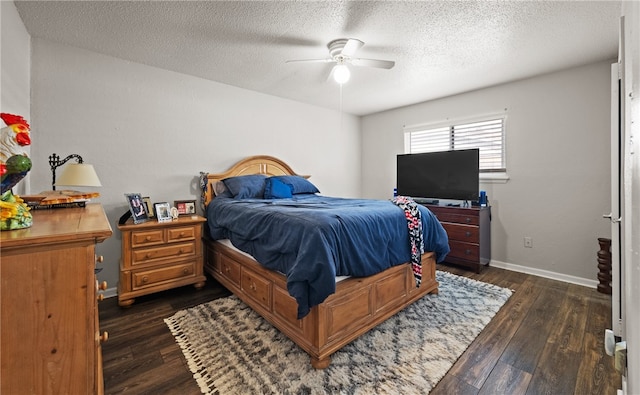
(545, 273)
(110, 292)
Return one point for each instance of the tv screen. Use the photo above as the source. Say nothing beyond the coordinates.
(439, 175)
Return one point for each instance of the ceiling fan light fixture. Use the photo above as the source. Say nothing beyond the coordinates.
(341, 73)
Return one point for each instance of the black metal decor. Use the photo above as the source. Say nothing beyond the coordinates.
(55, 162)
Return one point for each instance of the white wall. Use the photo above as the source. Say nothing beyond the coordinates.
(558, 153)
(16, 66)
(152, 131)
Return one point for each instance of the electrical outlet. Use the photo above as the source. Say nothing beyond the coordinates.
(528, 242)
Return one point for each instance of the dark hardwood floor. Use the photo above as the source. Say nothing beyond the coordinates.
(547, 339)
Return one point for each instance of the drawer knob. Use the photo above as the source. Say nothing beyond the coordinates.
(99, 258)
(468, 234)
(148, 238)
(467, 252)
(100, 297)
(145, 279)
(103, 286)
(104, 337)
(148, 255)
(467, 220)
(185, 270)
(227, 269)
(252, 286)
(181, 234)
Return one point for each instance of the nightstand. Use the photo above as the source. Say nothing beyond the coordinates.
(160, 255)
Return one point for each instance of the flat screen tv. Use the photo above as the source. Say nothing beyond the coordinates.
(439, 175)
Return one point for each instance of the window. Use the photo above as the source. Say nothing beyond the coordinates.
(486, 134)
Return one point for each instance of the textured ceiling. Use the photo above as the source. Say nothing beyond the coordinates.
(440, 48)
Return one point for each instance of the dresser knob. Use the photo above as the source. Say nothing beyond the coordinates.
(104, 337)
(467, 220)
(145, 279)
(185, 270)
(103, 286)
(100, 297)
(148, 238)
(148, 255)
(252, 286)
(99, 258)
(468, 234)
(467, 252)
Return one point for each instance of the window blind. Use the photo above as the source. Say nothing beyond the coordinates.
(487, 135)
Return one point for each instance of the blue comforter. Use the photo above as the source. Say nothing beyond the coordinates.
(312, 239)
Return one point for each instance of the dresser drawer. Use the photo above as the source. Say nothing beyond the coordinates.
(181, 234)
(466, 233)
(230, 270)
(150, 237)
(257, 287)
(146, 255)
(147, 278)
(464, 250)
(458, 218)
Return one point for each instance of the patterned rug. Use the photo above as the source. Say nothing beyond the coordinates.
(232, 350)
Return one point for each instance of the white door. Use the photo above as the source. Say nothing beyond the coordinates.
(617, 196)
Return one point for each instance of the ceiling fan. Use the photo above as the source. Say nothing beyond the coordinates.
(342, 52)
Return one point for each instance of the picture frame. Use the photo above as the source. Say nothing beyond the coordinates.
(147, 204)
(162, 211)
(185, 207)
(137, 208)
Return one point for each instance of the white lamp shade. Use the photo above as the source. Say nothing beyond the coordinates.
(79, 175)
(341, 73)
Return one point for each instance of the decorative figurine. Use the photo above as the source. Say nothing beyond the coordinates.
(14, 166)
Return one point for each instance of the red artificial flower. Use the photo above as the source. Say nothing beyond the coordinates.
(3, 169)
(11, 119)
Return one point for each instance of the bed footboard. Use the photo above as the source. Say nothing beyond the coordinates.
(358, 305)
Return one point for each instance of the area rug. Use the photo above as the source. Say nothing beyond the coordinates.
(231, 350)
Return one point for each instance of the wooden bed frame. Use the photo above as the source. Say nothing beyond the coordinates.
(358, 304)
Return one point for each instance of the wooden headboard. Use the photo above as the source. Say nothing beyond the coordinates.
(259, 164)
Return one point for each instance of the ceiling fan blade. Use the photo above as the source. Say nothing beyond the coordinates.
(381, 64)
(351, 47)
(327, 60)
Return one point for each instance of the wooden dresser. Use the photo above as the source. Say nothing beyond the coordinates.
(469, 230)
(160, 255)
(50, 340)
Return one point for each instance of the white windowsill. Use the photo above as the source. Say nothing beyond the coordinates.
(494, 178)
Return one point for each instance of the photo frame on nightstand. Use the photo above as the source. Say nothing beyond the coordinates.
(138, 212)
(163, 211)
(148, 206)
(185, 207)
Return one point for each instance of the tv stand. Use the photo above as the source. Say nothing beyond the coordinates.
(469, 231)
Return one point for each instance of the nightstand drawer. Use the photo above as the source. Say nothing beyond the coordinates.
(170, 273)
(147, 238)
(145, 255)
(181, 234)
(466, 233)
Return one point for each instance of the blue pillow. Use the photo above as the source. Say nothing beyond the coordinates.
(246, 187)
(298, 184)
(276, 189)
